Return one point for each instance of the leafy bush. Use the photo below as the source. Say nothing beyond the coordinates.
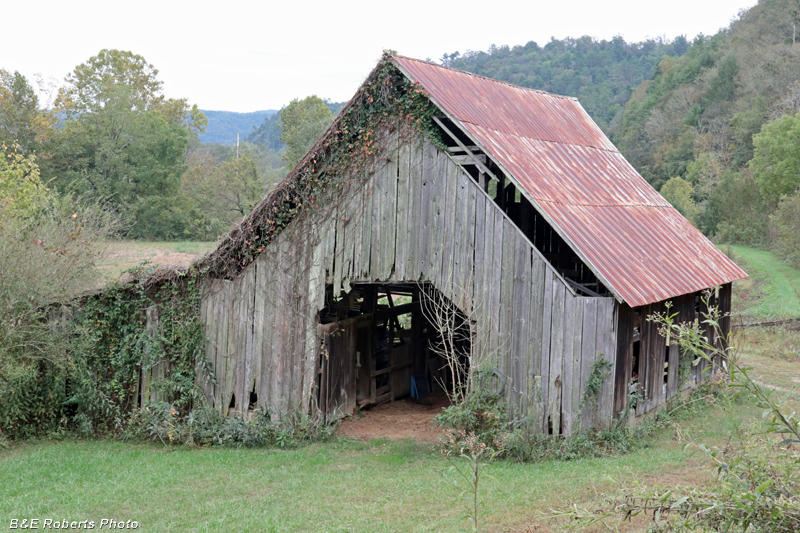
(482, 414)
(48, 247)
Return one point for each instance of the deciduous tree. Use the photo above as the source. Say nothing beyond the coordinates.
(124, 142)
(776, 158)
(301, 123)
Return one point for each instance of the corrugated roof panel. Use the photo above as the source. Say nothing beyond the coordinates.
(507, 108)
(561, 160)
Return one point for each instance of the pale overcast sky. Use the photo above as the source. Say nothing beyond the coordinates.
(247, 55)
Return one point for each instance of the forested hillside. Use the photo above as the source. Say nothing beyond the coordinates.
(224, 125)
(602, 74)
(717, 131)
(712, 124)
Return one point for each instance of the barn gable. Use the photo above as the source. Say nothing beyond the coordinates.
(511, 205)
(633, 240)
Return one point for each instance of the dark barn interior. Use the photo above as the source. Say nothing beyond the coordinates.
(379, 343)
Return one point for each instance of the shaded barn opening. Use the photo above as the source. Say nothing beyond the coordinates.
(491, 178)
(378, 345)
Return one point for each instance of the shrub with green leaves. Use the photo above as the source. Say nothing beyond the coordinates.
(48, 247)
(482, 414)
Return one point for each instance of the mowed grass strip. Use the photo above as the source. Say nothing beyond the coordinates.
(772, 292)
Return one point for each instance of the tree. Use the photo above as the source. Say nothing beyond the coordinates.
(786, 221)
(21, 190)
(94, 84)
(301, 124)
(221, 194)
(22, 122)
(49, 244)
(123, 142)
(776, 158)
(679, 193)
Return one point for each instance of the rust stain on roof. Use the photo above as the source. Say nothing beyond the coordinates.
(565, 165)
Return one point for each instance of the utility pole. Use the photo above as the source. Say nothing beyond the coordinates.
(237, 145)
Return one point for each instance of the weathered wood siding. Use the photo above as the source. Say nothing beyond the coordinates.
(660, 377)
(418, 217)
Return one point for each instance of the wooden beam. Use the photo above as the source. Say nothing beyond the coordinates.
(458, 149)
(480, 165)
(390, 369)
(581, 288)
(469, 159)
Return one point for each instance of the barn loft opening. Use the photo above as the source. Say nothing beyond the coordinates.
(527, 218)
(381, 343)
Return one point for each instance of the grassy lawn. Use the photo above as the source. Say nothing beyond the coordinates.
(123, 255)
(772, 291)
(380, 485)
(340, 486)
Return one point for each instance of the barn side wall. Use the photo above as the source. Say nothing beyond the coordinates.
(416, 217)
(657, 372)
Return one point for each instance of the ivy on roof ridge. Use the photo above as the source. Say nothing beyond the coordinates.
(388, 100)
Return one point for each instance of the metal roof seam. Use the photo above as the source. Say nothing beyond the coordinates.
(478, 76)
(654, 206)
(559, 143)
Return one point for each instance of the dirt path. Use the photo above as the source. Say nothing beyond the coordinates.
(403, 419)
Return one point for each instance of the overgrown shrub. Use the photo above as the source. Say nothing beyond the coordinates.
(482, 414)
(482, 417)
(48, 248)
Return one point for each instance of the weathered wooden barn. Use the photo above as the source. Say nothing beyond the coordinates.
(513, 206)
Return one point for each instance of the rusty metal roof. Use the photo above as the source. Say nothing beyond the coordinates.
(633, 239)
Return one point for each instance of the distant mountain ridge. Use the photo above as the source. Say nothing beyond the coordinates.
(224, 125)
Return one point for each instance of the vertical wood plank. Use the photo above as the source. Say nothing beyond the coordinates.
(366, 228)
(403, 237)
(556, 356)
(534, 356)
(521, 305)
(624, 358)
(389, 215)
(606, 333)
(588, 354)
(450, 199)
(577, 346)
(547, 315)
(259, 324)
(427, 194)
(416, 208)
(571, 302)
(498, 337)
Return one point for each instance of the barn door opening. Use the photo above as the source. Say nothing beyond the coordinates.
(377, 346)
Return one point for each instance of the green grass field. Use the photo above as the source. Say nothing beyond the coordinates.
(772, 291)
(340, 486)
(123, 255)
(380, 485)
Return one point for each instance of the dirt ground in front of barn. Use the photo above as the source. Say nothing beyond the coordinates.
(401, 419)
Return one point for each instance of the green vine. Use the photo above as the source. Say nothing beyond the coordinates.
(132, 327)
(600, 370)
(388, 100)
